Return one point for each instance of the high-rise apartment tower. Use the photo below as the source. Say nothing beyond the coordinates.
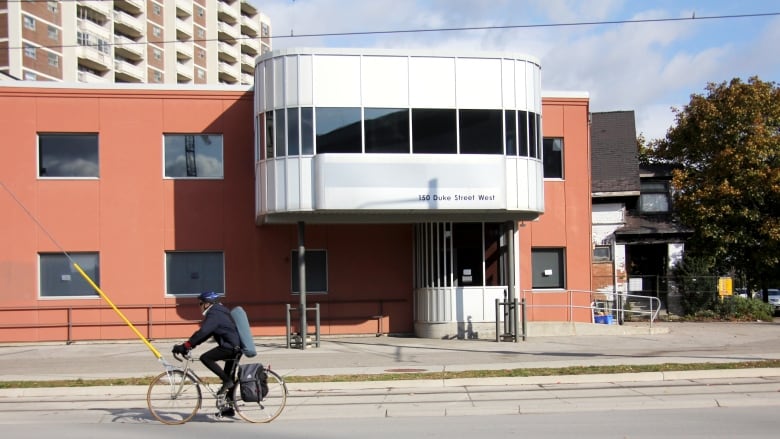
(151, 41)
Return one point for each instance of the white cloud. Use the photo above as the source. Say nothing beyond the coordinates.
(645, 67)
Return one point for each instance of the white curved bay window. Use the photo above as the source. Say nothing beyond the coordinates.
(391, 136)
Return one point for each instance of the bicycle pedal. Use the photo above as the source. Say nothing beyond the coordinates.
(228, 413)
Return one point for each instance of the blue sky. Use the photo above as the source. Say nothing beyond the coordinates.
(645, 67)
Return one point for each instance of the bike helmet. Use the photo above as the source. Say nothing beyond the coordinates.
(209, 297)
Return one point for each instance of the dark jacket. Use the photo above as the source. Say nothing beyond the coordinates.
(218, 324)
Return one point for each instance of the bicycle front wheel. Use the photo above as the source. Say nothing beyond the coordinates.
(173, 397)
(270, 407)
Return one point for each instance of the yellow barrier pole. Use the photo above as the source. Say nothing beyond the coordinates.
(103, 295)
(83, 274)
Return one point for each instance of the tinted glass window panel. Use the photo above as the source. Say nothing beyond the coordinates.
(434, 131)
(467, 247)
(522, 133)
(293, 144)
(553, 158)
(193, 155)
(59, 277)
(653, 186)
(338, 130)
(548, 268)
(68, 155)
(533, 135)
(510, 124)
(654, 203)
(497, 265)
(316, 271)
(602, 253)
(269, 135)
(307, 131)
(387, 130)
(189, 273)
(481, 132)
(281, 131)
(538, 142)
(260, 152)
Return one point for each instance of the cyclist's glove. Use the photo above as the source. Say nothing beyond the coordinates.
(180, 349)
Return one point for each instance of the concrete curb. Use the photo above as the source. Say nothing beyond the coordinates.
(53, 392)
(540, 380)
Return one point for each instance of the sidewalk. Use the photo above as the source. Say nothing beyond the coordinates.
(627, 345)
(621, 345)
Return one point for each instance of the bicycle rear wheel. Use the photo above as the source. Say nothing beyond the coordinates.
(173, 397)
(270, 407)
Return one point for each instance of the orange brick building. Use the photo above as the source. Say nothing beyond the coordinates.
(162, 193)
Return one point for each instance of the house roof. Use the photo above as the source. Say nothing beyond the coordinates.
(646, 229)
(614, 162)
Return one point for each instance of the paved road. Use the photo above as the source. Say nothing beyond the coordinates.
(515, 396)
(710, 423)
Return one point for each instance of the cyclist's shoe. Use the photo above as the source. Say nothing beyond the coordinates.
(226, 385)
(226, 412)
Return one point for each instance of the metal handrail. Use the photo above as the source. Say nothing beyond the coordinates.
(68, 321)
(654, 303)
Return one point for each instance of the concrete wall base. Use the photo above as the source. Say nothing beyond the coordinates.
(487, 331)
(456, 330)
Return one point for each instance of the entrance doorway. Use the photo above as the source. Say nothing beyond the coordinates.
(460, 269)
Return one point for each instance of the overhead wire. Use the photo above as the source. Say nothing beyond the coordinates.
(83, 273)
(693, 17)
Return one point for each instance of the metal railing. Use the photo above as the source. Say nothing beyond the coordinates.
(71, 317)
(69, 321)
(594, 302)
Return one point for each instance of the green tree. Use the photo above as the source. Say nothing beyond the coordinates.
(644, 150)
(726, 145)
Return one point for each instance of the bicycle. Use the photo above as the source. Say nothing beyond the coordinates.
(175, 396)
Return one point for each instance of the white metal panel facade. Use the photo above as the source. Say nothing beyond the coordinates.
(306, 186)
(432, 82)
(385, 81)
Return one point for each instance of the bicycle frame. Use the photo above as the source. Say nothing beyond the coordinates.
(187, 370)
(179, 395)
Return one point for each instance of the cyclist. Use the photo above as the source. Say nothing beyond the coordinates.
(216, 323)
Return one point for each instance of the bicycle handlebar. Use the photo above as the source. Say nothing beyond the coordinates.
(181, 358)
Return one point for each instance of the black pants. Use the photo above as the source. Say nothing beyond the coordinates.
(229, 356)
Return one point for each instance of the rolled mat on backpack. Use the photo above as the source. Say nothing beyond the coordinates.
(244, 331)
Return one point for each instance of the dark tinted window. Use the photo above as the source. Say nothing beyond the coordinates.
(59, 277)
(316, 271)
(194, 272)
(654, 197)
(522, 132)
(261, 137)
(281, 131)
(553, 158)
(434, 131)
(293, 144)
(533, 131)
(538, 137)
(269, 135)
(338, 130)
(387, 130)
(307, 131)
(481, 132)
(510, 122)
(193, 155)
(547, 265)
(68, 155)
(467, 245)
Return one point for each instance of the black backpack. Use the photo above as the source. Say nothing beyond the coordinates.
(254, 382)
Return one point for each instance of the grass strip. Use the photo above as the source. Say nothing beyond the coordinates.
(526, 372)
